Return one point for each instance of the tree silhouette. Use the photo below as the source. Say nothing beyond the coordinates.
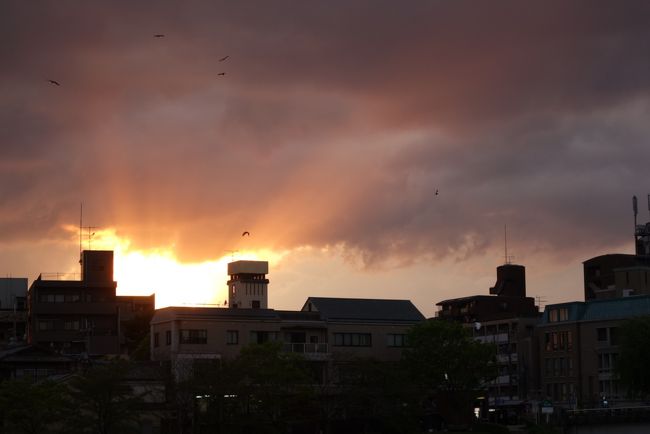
(632, 362)
(104, 402)
(32, 408)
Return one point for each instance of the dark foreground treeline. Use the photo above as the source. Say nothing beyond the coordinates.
(263, 390)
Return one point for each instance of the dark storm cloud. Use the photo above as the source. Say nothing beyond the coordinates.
(334, 124)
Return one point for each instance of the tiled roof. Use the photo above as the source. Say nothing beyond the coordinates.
(362, 309)
(615, 308)
(173, 312)
(605, 309)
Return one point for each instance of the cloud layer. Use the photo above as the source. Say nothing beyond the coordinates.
(335, 124)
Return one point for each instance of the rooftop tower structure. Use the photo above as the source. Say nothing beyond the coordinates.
(248, 285)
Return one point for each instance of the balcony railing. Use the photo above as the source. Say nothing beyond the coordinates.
(305, 348)
(60, 276)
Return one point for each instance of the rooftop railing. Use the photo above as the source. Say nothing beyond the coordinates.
(60, 276)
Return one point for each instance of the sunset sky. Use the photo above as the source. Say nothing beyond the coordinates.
(327, 138)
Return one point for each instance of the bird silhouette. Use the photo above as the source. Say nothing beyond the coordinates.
(221, 73)
(54, 82)
(224, 58)
(159, 35)
(246, 233)
(436, 192)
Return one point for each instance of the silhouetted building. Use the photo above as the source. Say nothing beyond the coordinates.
(511, 281)
(579, 348)
(13, 310)
(34, 363)
(77, 316)
(619, 274)
(82, 316)
(616, 275)
(506, 319)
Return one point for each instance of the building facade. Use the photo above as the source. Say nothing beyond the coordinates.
(325, 330)
(85, 316)
(579, 346)
(507, 320)
(13, 310)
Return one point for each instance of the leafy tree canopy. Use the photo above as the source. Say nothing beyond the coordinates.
(443, 356)
(105, 402)
(635, 352)
(30, 407)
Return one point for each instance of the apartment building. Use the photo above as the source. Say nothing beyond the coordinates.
(323, 331)
(578, 347)
(507, 319)
(13, 310)
(84, 315)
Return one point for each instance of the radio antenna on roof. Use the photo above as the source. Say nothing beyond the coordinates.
(508, 259)
(81, 219)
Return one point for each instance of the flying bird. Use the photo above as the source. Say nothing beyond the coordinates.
(224, 58)
(246, 233)
(436, 192)
(159, 35)
(54, 82)
(221, 73)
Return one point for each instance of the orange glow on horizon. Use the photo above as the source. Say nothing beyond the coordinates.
(143, 272)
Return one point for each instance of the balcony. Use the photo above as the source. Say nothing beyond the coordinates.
(493, 338)
(309, 350)
(507, 358)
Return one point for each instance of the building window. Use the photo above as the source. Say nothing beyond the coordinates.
(396, 340)
(156, 339)
(560, 314)
(71, 325)
(601, 334)
(46, 325)
(564, 314)
(168, 337)
(352, 339)
(20, 303)
(558, 341)
(46, 298)
(232, 337)
(607, 362)
(194, 336)
(259, 337)
(72, 298)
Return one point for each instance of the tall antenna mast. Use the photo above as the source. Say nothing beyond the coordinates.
(635, 208)
(505, 242)
(508, 259)
(81, 219)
